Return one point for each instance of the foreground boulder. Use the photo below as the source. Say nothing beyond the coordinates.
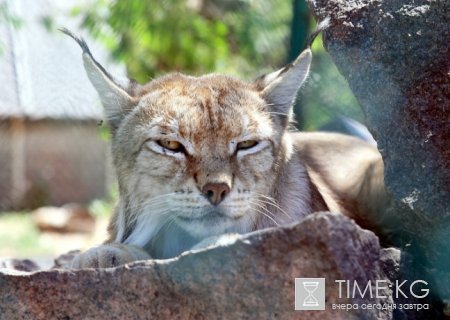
(251, 278)
(395, 56)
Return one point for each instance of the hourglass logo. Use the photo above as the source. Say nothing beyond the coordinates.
(309, 293)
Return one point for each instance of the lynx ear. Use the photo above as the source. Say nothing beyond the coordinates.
(115, 99)
(280, 88)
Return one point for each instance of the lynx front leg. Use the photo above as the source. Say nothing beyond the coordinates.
(109, 255)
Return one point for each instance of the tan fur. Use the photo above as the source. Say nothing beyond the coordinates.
(163, 208)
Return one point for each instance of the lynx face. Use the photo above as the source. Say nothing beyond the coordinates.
(198, 153)
(198, 156)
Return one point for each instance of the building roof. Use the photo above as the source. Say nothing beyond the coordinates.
(41, 70)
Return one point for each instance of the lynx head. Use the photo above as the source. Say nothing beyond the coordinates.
(196, 156)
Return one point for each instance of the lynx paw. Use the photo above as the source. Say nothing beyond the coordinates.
(108, 255)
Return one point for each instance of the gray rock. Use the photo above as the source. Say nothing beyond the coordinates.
(395, 56)
(19, 265)
(250, 279)
(398, 266)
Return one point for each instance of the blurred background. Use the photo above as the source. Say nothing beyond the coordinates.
(57, 187)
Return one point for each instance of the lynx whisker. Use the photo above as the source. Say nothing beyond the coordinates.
(139, 203)
(273, 203)
(267, 213)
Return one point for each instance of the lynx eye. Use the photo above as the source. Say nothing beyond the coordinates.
(247, 144)
(171, 145)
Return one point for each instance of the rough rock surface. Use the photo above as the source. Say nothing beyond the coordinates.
(396, 57)
(19, 265)
(252, 278)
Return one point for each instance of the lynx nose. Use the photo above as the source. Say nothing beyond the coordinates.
(216, 192)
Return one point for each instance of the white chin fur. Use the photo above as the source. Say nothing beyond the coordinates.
(203, 229)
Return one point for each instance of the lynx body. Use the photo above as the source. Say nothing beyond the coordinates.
(201, 157)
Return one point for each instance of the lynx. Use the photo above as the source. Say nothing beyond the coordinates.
(201, 158)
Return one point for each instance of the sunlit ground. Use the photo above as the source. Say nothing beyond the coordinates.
(20, 238)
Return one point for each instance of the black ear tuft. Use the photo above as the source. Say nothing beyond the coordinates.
(280, 88)
(85, 49)
(323, 25)
(115, 98)
(80, 40)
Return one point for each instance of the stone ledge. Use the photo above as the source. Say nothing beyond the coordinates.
(251, 278)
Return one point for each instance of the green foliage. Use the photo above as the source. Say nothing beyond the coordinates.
(155, 37)
(238, 37)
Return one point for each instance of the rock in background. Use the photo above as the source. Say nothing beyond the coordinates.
(396, 57)
(69, 218)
